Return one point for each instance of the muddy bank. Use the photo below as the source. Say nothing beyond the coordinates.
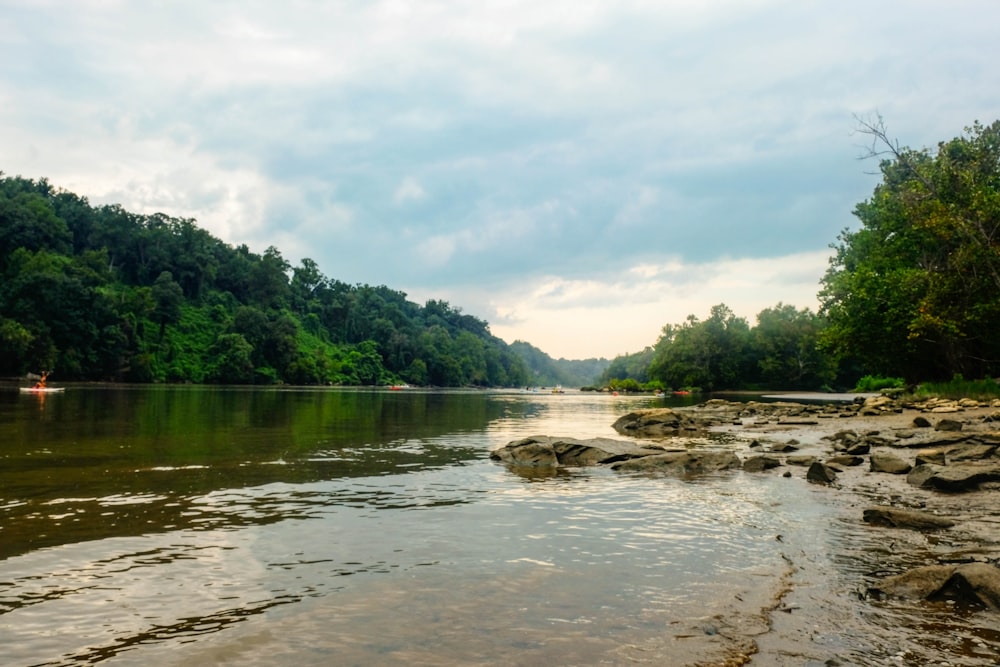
(903, 567)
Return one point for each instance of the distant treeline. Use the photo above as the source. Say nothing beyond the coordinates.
(100, 293)
(913, 294)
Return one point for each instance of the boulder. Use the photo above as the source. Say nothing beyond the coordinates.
(761, 463)
(820, 473)
(682, 463)
(542, 450)
(948, 425)
(656, 422)
(892, 517)
(800, 459)
(971, 583)
(883, 462)
(845, 460)
(953, 478)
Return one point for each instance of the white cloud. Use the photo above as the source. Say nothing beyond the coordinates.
(609, 166)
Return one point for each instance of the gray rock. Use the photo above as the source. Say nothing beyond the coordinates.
(761, 463)
(950, 425)
(899, 518)
(977, 583)
(657, 422)
(800, 459)
(542, 450)
(845, 460)
(883, 462)
(682, 463)
(819, 473)
(953, 478)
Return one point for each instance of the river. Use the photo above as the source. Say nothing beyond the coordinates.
(237, 526)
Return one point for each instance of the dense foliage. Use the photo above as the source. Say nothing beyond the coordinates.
(914, 292)
(724, 352)
(102, 293)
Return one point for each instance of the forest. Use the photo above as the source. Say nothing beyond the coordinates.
(912, 295)
(100, 293)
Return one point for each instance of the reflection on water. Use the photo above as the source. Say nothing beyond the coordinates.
(176, 526)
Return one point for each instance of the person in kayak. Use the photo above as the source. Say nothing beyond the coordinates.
(41, 381)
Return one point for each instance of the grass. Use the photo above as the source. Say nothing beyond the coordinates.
(958, 387)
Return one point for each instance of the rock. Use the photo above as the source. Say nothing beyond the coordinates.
(882, 462)
(819, 473)
(898, 518)
(682, 463)
(657, 422)
(845, 460)
(948, 425)
(541, 450)
(859, 448)
(783, 448)
(760, 463)
(976, 583)
(935, 456)
(800, 460)
(953, 478)
(921, 422)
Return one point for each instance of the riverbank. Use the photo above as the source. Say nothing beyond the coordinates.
(899, 567)
(879, 459)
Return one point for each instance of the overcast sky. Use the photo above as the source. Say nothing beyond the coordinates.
(577, 173)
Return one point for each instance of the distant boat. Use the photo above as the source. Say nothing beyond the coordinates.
(558, 389)
(42, 390)
(682, 392)
(398, 387)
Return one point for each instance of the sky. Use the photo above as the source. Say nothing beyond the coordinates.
(578, 173)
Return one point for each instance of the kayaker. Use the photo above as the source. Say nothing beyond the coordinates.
(41, 381)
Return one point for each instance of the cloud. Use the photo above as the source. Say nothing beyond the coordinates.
(496, 148)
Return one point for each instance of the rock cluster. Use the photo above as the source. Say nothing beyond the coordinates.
(947, 447)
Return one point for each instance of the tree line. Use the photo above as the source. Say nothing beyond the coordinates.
(101, 293)
(913, 293)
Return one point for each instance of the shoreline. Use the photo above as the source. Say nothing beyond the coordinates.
(798, 626)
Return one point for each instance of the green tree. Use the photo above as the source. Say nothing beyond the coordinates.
(785, 344)
(168, 298)
(912, 293)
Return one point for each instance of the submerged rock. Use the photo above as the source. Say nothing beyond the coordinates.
(892, 517)
(976, 583)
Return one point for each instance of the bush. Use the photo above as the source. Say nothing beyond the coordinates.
(871, 383)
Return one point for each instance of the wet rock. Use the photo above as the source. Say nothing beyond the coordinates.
(890, 463)
(859, 448)
(761, 463)
(975, 583)
(953, 478)
(658, 422)
(892, 517)
(542, 450)
(921, 422)
(820, 473)
(800, 460)
(682, 463)
(845, 460)
(948, 425)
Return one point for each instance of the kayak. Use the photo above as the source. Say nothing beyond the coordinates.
(42, 390)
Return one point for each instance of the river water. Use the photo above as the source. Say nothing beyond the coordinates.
(228, 526)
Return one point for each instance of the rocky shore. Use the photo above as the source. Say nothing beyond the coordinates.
(923, 469)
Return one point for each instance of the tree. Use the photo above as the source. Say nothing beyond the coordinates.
(913, 291)
(168, 298)
(785, 344)
(711, 355)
